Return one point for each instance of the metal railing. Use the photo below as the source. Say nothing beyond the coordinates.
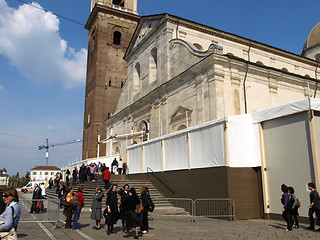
(214, 207)
(43, 210)
(202, 207)
(160, 180)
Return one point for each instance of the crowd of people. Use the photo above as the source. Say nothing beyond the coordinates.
(291, 204)
(130, 208)
(124, 204)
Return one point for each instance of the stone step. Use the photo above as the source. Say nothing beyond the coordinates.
(162, 206)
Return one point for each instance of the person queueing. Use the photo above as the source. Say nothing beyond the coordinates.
(82, 173)
(146, 205)
(294, 210)
(74, 176)
(37, 194)
(123, 192)
(50, 183)
(11, 214)
(133, 220)
(124, 168)
(287, 205)
(96, 212)
(61, 191)
(77, 210)
(67, 183)
(106, 178)
(314, 205)
(114, 166)
(68, 209)
(120, 166)
(112, 208)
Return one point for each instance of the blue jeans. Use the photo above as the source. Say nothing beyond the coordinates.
(61, 199)
(76, 216)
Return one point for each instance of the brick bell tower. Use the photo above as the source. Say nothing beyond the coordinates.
(111, 25)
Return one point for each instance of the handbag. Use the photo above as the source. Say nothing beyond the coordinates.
(65, 203)
(139, 208)
(11, 235)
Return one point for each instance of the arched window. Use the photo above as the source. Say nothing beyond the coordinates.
(230, 54)
(118, 2)
(143, 126)
(117, 38)
(285, 70)
(260, 63)
(181, 127)
(117, 150)
(307, 75)
(317, 57)
(197, 45)
(153, 65)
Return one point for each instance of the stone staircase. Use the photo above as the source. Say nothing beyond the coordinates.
(161, 205)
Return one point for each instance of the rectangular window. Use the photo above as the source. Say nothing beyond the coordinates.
(46, 173)
(34, 173)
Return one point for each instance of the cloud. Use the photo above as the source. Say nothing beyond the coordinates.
(30, 39)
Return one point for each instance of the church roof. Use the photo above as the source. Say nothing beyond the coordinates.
(52, 168)
(159, 19)
(313, 39)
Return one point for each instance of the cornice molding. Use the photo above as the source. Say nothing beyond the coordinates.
(98, 8)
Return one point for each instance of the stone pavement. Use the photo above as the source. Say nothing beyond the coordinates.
(172, 228)
(162, 227)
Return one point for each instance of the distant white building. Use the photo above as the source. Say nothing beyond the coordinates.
(4, 177)
(43, 173)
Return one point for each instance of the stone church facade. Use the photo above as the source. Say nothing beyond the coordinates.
(181, 74)
(156, 75)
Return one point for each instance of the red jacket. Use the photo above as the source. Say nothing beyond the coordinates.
(80, 198)
(106, 175)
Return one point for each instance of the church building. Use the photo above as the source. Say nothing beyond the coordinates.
(159, 85)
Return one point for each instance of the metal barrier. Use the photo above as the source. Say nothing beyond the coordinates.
(202, 207)
(174, 207)
(214, 207)
(49, 213)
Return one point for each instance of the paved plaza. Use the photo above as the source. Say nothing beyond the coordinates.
(161, 227)
(172, 228)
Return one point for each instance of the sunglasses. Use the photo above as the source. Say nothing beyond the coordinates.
(5, 196)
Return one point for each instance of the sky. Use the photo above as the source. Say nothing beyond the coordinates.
(43, 53)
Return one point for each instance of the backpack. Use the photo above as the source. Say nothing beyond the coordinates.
(139, 208)
(298, 203)
(75, 201)
(151, 206)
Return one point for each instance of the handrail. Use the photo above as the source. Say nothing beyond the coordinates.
(160, 180)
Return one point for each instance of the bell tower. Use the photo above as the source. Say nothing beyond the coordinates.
(111, 25)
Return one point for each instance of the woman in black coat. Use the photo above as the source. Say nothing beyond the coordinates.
(123, 192)
(133, 220)
(146, 203)
(112, 212)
